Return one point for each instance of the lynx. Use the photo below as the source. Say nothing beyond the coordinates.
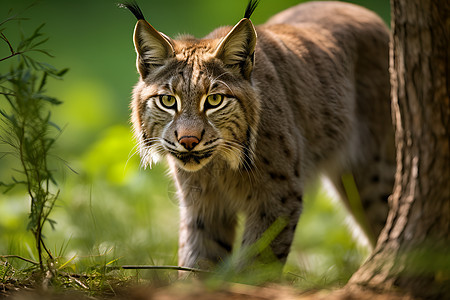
(248, 116)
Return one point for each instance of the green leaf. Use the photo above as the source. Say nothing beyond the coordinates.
(43, 82)
(38, 43)
(9, 186)
(4, 114)
(51, 100)
(41, 51)
(54, 125)
(52, 223)
(62, 72)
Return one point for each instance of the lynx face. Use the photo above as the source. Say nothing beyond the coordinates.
(194, 101)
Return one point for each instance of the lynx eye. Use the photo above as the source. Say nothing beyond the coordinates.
(213, 101)
(168, 101)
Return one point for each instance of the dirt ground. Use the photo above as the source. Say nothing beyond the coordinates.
(194, 291)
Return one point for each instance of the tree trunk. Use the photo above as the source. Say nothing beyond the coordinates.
(413, 252)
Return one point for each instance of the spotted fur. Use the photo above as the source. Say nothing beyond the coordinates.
(247, 117)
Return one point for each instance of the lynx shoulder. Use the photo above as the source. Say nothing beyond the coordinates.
(248, 116)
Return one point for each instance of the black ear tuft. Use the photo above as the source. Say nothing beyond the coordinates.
(251, 6)
(134, 8)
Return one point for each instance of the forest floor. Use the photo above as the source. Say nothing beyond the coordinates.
(198, 291)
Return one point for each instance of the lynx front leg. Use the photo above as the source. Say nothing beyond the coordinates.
(206, 236)
(275, 221)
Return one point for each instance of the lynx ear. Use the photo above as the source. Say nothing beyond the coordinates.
(152, 47)
(237, 49)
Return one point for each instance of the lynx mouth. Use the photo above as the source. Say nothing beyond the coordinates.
(192, 160)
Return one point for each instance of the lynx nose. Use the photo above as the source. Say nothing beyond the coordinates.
(189, 142)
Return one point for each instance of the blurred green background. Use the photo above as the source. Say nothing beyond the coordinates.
(111, 208)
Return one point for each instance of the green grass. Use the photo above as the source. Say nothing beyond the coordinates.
(111, 218)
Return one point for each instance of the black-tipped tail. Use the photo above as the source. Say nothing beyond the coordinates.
(134, 8)
(251, 6)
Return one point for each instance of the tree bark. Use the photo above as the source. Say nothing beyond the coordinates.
(413, 251)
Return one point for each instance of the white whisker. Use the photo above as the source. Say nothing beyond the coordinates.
(246, 160)
(216, 79)
(149, 149)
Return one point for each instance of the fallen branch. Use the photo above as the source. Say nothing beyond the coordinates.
(20, 257)
(146, 267)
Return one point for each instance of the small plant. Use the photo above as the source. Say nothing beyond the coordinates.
(26, 130)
